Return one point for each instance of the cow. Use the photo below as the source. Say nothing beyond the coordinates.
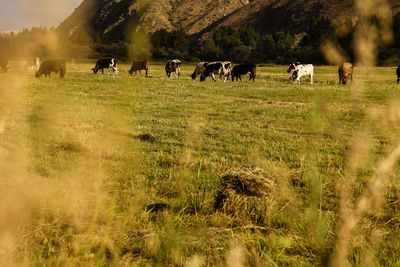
(345, 72)
(200, 69)
(55, 65)
(300, 70)
(106, 63)
(243, 69)
(226, 70)
(3, 64)
(221, 68)
(398, 74)
(173, 66)
(138, 66)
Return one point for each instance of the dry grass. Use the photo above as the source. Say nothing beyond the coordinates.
(298, 171)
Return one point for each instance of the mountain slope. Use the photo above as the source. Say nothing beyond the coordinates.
(110, 19)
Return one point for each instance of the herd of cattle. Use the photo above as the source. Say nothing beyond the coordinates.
(224, 69)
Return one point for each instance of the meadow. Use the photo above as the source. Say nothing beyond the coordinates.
(120, 170)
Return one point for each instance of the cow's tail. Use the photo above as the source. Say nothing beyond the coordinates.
(254, 72)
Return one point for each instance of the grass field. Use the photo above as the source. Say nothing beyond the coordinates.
(250, 174)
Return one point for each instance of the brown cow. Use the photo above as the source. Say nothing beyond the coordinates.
(49, 66)
(243, 69)
(345, 72)
(138, 66)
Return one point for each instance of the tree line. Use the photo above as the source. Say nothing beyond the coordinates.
(243, 44)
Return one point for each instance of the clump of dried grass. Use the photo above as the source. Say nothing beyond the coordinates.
(246, 194)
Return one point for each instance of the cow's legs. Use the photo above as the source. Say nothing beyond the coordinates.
(311, 76)
(213, 77)
(140, 72)
(115, 70)
(146, 73)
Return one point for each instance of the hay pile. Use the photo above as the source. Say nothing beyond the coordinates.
(246, 194)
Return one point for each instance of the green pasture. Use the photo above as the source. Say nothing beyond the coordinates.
(84, 156)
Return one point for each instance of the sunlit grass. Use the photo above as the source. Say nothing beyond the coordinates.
(83, 157)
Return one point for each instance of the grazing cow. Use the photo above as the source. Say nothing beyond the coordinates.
(221, 68)
(106, 63)
(227, 70)
(3, 64)
(243, 69)
(173, 66)
(300, 70)
(138, 66)
(398, 74)
(200, 69)
(55, 65)
(345, 72)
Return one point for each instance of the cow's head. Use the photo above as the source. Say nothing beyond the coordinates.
(37, 74)
(194, 76)
(292, 66)
(177, 63)
(202, 78)
(95, 70)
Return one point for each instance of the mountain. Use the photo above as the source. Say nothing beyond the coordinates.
(111, 19)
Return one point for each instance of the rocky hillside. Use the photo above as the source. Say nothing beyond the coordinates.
(110, 19)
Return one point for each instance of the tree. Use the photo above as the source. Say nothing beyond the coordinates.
(396, 30)
(266, 47)
(284, 43)
(248, 36)
(319, 30)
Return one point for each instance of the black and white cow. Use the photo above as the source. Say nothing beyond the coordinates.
(173, 66)
(398, 74)
(243, 69)
(106, 63)
(49, 66)
(221, 68)
(300, 70)
(199, 70)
